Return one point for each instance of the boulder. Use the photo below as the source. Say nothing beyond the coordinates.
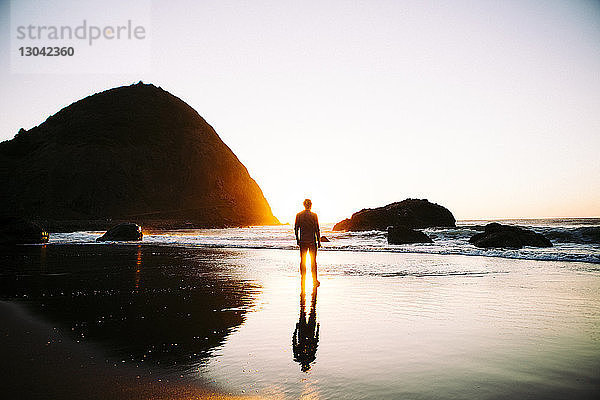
(411, 213)
(126, 231)
(498, 235)
(20, 231)
(404, 235)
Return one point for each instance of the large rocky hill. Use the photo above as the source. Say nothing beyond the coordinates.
(133, 153)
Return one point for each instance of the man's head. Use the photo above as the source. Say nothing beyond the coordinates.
(307, 204)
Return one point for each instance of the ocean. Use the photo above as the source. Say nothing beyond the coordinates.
(573, 239)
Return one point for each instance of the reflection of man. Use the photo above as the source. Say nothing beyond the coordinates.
(310, 238)
(306, 335)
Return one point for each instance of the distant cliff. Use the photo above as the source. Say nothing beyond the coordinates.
(133, 153)
(411, 213)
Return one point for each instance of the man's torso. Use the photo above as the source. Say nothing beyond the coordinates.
(307, 222)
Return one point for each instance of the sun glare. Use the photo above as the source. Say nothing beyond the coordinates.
(309, 278)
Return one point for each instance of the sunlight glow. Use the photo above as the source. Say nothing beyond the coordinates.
(309, 278)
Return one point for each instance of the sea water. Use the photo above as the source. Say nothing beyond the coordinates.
(573, 239)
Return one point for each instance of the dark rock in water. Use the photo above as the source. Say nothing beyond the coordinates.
(122, 232)
(127, 231)
(404, 235)
(132, 153)
(497, 235)
(324, 239)
(412, 213)
(20, 231)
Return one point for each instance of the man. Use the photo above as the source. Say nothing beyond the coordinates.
(310, 238)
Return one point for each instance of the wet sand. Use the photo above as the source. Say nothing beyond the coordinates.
(73, 324)
(197, 322)
(40, 362)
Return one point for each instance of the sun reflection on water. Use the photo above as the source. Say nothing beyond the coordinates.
(138, 266)
(309, 277)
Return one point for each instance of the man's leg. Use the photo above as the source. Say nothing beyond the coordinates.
(303, 250)
(313, 262)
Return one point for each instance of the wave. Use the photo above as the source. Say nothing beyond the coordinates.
(554, 254)
(572, 242)
(583, 235)
(425, 274)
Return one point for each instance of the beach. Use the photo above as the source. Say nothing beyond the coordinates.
(161, 321)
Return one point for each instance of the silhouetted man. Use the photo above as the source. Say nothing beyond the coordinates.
(310, 238)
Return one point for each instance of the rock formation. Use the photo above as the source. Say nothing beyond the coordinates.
(404, 235)
(412, 213)
(497, 235)
(125, 231)
(132, 153)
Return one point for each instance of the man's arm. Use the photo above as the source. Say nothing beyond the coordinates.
(317, 230)
(296, 227)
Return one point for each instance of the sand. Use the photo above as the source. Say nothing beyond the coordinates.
(39, 362)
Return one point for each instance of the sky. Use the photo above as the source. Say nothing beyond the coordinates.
(489, 108)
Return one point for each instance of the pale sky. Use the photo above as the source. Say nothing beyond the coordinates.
(490, 108)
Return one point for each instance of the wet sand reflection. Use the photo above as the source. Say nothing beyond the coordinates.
(184, 306)
(305, 339)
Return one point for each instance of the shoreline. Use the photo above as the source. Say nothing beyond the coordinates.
(325, 249)
(40, 362)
